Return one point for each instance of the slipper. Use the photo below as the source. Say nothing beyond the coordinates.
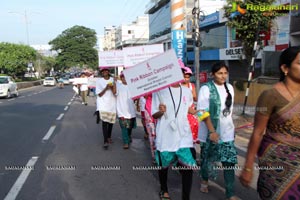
(162, 197)
(204, 187)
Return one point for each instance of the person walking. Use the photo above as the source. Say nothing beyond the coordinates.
(174, 142)
(84, 88)
(125, 110)
(216, 132)
(276, 134)
(106, 104)
(187, 73)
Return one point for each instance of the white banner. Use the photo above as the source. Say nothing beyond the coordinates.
(111, 58)
(154, 74)
(80, 81)
(138, 54)
(92, 82)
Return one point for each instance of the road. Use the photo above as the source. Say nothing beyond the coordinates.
(51, 149)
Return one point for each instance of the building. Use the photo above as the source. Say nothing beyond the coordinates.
(133, 34)
(109, 38)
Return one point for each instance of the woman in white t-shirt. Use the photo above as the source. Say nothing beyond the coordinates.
(174, 141)
(106, 104)
(216, 132)
(125, 111)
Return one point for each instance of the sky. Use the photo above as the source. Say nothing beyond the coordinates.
(46, 19)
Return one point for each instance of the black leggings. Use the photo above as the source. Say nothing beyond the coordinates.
(186, 179)
(106, 129)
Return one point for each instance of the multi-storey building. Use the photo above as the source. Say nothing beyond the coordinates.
(136, 33)
(109, 38)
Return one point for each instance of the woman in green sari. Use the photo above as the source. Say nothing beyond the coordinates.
(276, 134)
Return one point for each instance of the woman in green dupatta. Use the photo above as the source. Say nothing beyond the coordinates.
(276, 134)
(216, 132)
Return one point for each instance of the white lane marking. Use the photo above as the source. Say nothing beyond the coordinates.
(60, 116)
(1, 102)
(69, 103)
(49, 133)
(29, 95)
(14, 191)
(66, 108)
(21, 97)
(11, 99)
(35, 93)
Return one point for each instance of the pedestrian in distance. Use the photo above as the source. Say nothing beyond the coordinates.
(216, 131)
(84, 89)
(140, 105)
(194, 125)
(106, 104)
(125, 110)
(174, 141)
(276, 134)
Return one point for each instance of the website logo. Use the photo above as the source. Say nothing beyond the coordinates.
(236, 10)
(283, 9)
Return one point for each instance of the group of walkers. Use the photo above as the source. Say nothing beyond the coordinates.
(174, 126)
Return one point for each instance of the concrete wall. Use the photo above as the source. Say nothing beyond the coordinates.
(254, 91)
(22, 85)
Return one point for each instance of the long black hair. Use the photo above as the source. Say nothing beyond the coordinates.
(286, 58)
(216, 67)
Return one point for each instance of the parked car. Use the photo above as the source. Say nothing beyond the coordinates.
(8, 87)
(49, 81)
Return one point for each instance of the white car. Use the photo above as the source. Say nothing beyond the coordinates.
(8, 87)
(49, 81)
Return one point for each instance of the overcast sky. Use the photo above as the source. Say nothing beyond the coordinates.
(46, 19)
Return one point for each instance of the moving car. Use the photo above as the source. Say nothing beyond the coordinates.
(49, 81)
(66, 80)
(8, 87)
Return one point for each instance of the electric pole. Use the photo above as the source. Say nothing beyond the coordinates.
(197, 42)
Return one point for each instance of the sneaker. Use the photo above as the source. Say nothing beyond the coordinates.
(82, 103)
(105, 146)
(85, 104)
(126, 146)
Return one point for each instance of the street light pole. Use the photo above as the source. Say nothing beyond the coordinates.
(26, 23)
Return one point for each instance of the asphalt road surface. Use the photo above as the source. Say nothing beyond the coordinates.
(51, 149)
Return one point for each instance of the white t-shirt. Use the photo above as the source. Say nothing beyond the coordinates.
(107, 102)
(225, 126)
(125, 105)
(168, 139)
(142, 104)
(84, 86)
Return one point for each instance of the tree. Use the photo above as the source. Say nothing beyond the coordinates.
(248, 23)
(14, 58)
(76, 46)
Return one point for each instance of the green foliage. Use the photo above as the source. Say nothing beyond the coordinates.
(76, 47)
(14, 58)
(248, 24)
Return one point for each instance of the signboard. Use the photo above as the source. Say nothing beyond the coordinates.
(154, 74)
(138, 54)
(179, 43)
(92, 82)
(76, 81)
(231, 53)
(110, 58)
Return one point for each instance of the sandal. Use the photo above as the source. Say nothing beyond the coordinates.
(163, 197)
(204, 187)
